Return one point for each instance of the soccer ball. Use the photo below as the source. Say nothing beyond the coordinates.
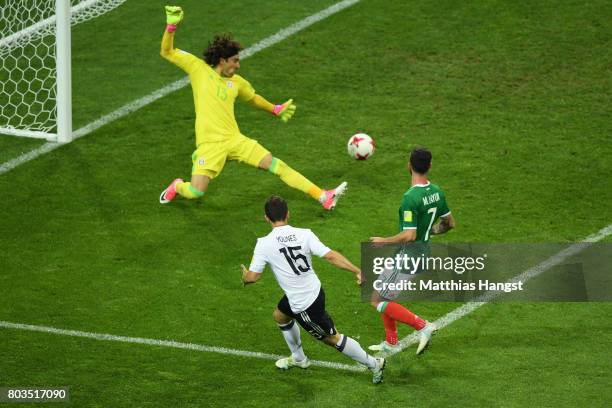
(361, 146)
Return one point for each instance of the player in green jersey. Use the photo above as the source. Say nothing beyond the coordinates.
(422, 205)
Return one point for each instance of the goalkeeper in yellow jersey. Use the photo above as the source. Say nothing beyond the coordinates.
(215, 88)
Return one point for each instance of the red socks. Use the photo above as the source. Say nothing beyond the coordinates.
(398, 312)
(390, 329)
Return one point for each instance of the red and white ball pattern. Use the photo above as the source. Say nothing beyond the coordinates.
(361, 146)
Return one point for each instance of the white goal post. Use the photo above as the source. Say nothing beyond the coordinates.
(35, 68)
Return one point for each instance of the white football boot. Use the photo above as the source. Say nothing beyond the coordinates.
(378, 369)
(386, 348)
(288, 362)
(425, 336)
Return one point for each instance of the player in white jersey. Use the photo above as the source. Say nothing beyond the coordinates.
(288, 251)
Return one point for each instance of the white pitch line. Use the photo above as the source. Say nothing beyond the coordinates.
(530, 273)
(160, 93)
(171, 344)
(407, 341)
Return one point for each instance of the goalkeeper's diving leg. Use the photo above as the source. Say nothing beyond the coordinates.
(190, 189)
(328, 198)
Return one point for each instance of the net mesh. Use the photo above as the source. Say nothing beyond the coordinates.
(27, 59)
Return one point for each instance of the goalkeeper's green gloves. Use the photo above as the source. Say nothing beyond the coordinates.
(284, 111)
(174, 15)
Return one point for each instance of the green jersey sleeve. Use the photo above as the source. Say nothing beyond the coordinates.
(408, 214)
(443, 206)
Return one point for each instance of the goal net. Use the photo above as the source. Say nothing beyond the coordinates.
(35, 89)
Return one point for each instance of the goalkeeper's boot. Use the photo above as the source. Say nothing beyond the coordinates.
(425, 336)
(288, 362)
(386, 348)
(378, 369)
(332, 196)
(169, 193)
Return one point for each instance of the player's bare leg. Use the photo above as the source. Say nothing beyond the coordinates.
(291, 333)
(200, 182)
(328, 198)
(265, 163)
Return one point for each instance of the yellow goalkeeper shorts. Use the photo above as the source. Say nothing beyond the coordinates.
(210, 157)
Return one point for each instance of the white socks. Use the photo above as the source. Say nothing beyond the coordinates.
(352, 349)
(346, 345)
(291, 333)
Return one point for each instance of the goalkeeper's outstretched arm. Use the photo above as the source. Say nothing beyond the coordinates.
(262, 103)
(167, 45)
(284, 111)
(174, 15)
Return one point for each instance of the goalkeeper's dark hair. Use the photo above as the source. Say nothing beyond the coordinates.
(276, 209)
(222, 46)
(420, 160)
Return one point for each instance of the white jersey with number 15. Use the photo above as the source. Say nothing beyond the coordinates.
(288, 251)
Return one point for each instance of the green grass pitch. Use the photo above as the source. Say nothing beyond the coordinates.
(513, 98)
